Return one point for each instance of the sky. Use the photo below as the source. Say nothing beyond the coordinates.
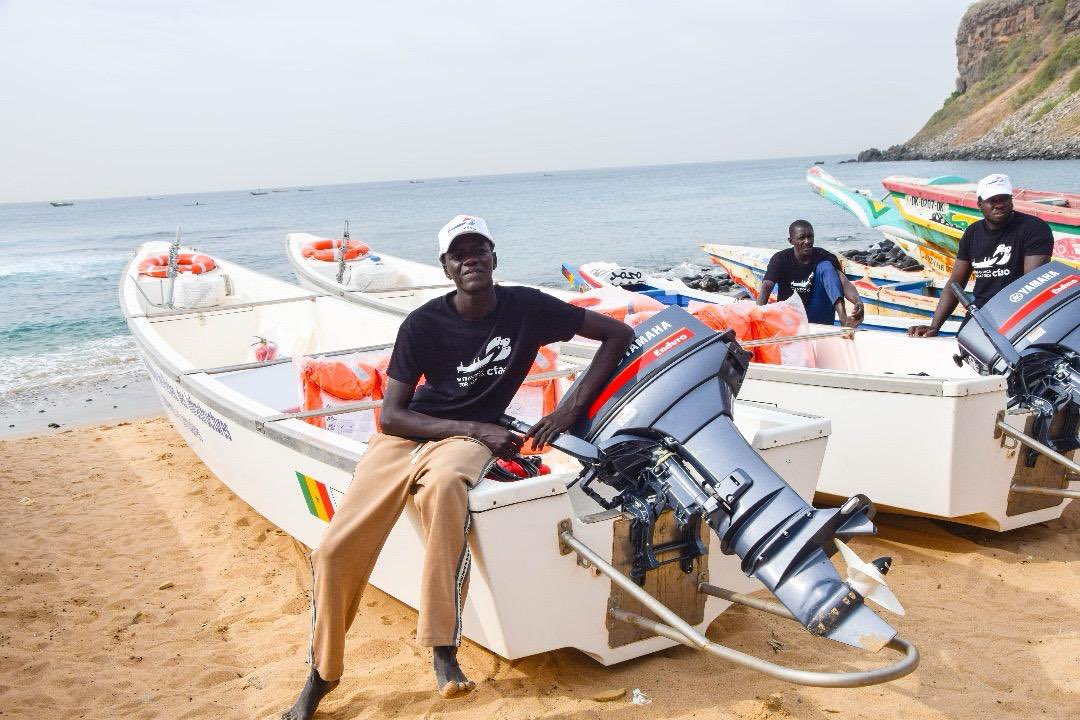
(105, 98)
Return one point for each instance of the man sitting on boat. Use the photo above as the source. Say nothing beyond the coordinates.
(1001, 247)
(474, 347)
(815, 275)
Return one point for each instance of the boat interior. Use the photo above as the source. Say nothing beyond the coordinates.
(218, 343)
(886, 354)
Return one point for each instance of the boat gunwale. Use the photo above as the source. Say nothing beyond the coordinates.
(1067, 216)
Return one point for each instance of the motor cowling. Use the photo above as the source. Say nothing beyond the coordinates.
(1039, 316)
(664, 428)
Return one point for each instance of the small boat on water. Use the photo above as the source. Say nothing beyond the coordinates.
(259, 192)
(241, 415)
(927, 216)
(894, 299)
(305, 189)
(60, 203)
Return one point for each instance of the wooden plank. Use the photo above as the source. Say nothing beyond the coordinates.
(668, 584)
(1044, 473)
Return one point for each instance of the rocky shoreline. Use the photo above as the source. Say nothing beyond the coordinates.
(1018, 90)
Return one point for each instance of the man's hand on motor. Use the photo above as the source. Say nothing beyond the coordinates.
(921, 331)
(547, 427)
(499, 440)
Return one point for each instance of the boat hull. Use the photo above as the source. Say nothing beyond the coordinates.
(524, 597)
(923, 445)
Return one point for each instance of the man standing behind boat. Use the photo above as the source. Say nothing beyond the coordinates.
(1000, 248)
(474, 347)
(814, 274)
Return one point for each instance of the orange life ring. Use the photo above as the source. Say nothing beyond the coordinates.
(158, 265)
(327, 250)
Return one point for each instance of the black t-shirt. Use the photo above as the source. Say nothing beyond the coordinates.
(474, 368)
(997, 256)
(790, 275)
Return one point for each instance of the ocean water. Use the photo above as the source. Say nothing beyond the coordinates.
(61, 329)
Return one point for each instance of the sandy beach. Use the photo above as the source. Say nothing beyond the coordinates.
(135, 584)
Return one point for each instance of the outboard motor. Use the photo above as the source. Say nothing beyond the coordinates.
(661, 435)
(1030, 332)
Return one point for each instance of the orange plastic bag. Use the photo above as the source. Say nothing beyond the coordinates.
(786, 318)
(325, 383)
(731, 316)
(616, 302)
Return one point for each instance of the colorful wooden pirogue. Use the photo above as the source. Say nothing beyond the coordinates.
(894, 299)
(927, 216)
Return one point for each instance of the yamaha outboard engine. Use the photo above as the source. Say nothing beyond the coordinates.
(1030, 331)
(661, 435)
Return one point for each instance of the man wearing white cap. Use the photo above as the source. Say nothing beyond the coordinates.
(473, 347)
(1001, 247)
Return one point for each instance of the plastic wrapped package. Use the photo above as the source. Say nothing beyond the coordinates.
(345, 379)
(616, 302)
(785, 318)
(341, 380)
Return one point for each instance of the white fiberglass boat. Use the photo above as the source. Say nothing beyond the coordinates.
(240, 416)
(913, 430)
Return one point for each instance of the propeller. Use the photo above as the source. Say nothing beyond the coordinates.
(868, 578)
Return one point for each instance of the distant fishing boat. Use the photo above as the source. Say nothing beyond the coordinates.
(464, 180)
(305, 189)
(194, 204)
(416, 182)
(886, 292)
(259, 192)
(60, 203)
(156, 197)
(280, 190)
(927, 216)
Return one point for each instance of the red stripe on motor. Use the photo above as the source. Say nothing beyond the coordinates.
(632, 369)
(1030, 306)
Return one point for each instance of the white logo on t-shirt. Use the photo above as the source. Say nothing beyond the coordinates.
(498, 349)
(804, 286)
(1001, 256)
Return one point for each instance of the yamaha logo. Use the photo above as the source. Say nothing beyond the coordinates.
(1035, 284)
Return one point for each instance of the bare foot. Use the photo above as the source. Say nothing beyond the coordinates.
(449, 678)
(315, 689)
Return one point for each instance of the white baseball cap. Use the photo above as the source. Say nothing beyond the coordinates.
(462, 225)
(993, 185)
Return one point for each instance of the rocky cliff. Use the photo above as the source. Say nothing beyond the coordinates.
(1017, 91)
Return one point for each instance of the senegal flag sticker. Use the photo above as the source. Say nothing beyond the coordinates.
(317, 497)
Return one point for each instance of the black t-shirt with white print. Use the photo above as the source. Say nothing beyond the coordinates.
(792, 276)
(997, 256)
(473, 368)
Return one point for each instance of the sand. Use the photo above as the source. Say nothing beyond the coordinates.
(136, 585)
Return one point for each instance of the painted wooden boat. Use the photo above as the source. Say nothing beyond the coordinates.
(927, 216)
(890, 305)
(590, 276)
(239, 416)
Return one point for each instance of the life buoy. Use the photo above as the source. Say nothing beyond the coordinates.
(158, 266)
(326, 250)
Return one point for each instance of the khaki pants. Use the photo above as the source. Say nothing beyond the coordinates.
(438, 474)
